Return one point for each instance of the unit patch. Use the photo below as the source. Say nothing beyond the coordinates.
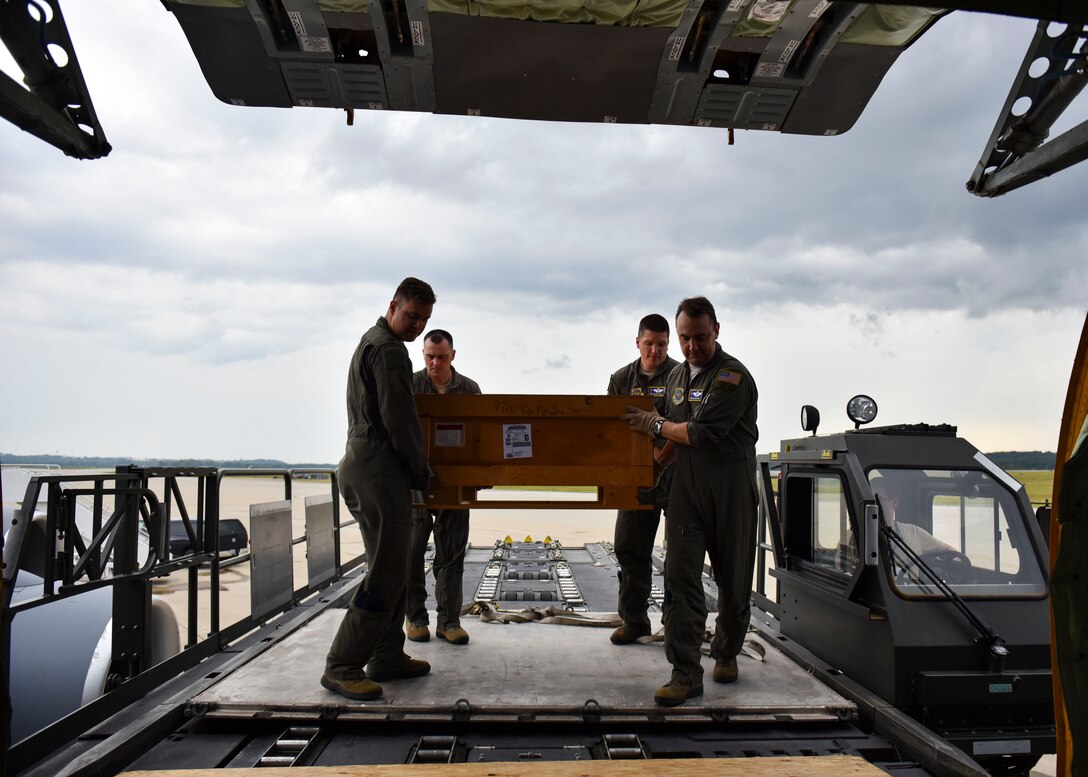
(636, 391)
(657, 391)
(728, 376)
(677, 395)
(695, 395)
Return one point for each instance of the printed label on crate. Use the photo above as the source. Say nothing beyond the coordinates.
(517, 441)
(449, 435)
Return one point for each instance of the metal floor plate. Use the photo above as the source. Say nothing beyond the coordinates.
(525, 670)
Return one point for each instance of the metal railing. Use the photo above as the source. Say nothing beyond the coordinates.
(126, 548)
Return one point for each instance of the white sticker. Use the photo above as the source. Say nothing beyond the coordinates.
(822, 6)
(677, 48)
(315, 44)
(449, 435)
(770, 70)
(830, 132)
(787, 52)
(769, 10)
(517, 441)
(736, 5)
(417, 33)
(297, 23)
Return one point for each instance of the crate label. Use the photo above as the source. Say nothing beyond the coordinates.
(449, 435)
(517, 441)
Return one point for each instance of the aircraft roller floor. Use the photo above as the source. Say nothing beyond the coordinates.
(545, 671)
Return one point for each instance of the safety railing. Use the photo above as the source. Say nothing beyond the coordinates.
(78, 532)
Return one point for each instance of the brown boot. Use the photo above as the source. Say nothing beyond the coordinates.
(455, 635)
(676, 692)
(401, 670)
(628, 633)
(725, 670)
(360, 689)
(418, 632)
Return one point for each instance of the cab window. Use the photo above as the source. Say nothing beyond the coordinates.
(964, 525)
(819, 524)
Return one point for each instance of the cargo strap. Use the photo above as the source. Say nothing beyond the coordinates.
(489, 613)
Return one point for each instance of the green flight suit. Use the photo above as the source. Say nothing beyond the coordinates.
(450, 529)
(384, 460)
(712, 510)
(636, 529)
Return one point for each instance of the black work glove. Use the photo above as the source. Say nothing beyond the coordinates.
(640, 420)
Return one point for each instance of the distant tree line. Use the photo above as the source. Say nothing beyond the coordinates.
(109, 462)
(1019, 460)
(1014, 460)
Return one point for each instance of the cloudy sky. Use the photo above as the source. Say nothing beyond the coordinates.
(198, 293)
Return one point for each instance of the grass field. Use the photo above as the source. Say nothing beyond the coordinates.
(1039, 483)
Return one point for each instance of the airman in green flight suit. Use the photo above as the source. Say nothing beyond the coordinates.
(384, 461)
(636, 529)
(711, 421)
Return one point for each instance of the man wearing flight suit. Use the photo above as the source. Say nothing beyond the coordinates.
(450, 527)
(384, 461)
(711, 422)
(636, 529)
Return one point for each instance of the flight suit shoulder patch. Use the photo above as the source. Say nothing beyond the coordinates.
(729, 376)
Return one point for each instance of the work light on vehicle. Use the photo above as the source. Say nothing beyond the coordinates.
(861, 410)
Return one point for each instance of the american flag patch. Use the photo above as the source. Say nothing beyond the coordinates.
(728, 376)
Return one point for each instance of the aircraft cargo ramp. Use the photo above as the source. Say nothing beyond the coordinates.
(521, 671)
(518, 692)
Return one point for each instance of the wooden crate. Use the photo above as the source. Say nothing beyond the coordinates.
(534, 440)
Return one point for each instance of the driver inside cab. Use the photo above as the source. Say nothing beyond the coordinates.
(917, 539)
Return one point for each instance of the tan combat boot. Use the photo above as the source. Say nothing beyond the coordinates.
(628, 633)
(399, 670)
(725, 670)
(360, 688)
(455, 635)
(418, 632)
(676, 692)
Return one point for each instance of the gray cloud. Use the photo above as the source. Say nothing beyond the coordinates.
(216, 241)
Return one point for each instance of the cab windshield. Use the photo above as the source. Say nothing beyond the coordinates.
(964, 525)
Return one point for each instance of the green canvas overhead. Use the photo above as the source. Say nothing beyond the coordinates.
(762, 18)
(628, 13)
(884, 25)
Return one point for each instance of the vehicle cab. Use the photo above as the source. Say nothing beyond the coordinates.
(914, 565)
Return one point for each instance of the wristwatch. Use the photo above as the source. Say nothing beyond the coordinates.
(655, 427)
